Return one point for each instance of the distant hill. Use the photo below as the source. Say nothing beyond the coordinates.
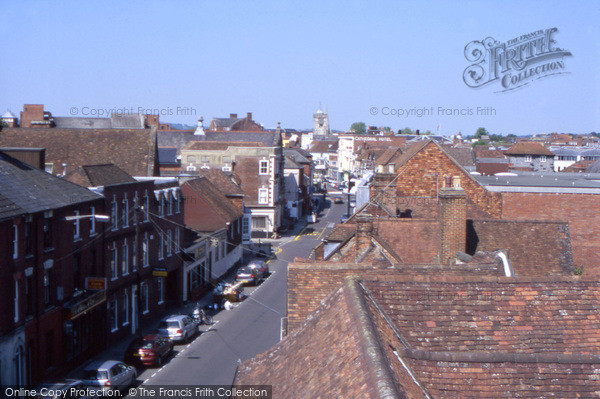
(180, 126)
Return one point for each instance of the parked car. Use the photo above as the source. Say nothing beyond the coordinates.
(110, 374)
(248, 275)
(338, 200)
(149, 351)
(178, 328)
(261, 266)
(65, 389)
(345, 217)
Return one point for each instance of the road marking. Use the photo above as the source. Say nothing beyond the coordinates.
(330, 224)
(300, 234)
(146, 380)
(152, 376)
(321, 233)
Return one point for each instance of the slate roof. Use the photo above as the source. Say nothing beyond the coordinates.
(167, 155)
(528, 148)
(219, 145)
(25, 189)
(225, 122)
(175, 138)
(268, 139)
(298, 155)
(593, 168)
(106, 175)
(127, 121)
(289, 163)
(219, 213)
(65, 122)
(133, 150)
(429, 336)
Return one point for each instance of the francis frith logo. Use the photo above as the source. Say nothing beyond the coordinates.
(514, 63)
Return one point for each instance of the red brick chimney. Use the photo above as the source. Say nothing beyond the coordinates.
(364, 232)
(249, 116)
(32, 113)
(453, 214)
(233, 116)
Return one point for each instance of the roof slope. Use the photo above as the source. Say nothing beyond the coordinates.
(25, 189)
(133, 150)
(225, 182)
(535, 248)
(219, 212)
(335, 354)
(106, 175)
(528, 148)
(444, 337)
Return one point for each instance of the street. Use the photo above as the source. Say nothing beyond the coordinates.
(252, 326)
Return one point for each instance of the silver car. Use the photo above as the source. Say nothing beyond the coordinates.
(109, 375)
(178, 328)
(261, 266)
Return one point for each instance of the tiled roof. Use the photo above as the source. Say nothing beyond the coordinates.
(390, 155)
(132, 150)
(436, 336)
(25, 189)
(334, 355)
(106, 175)
(593, 168)
(535, 248)
(219, 213)
(486, 153)
(324, 146)
(289, 163)
(464, 156)
(528, 148)
(226, 183)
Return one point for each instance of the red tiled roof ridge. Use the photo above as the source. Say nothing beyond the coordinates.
(499, 357)
(378, 372)
(536, 221)
(528, 148)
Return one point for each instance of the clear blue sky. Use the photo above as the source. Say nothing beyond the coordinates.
(279, 59)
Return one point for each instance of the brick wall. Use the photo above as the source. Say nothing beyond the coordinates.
(453, 212)
(423, 175)
(580, 210)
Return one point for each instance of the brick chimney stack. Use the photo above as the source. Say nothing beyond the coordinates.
(383, 183)
(364, 232)
(249, 116)
(453, 213)
(233, 116)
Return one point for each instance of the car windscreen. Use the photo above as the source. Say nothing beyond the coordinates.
(168, 324)
(95, 375)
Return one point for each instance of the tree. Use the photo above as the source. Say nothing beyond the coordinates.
(358, 127)
(386, 129)
(406, 130)
(481, 132)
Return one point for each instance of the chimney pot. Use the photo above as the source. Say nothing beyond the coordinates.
(233, 116)
(447, 181)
